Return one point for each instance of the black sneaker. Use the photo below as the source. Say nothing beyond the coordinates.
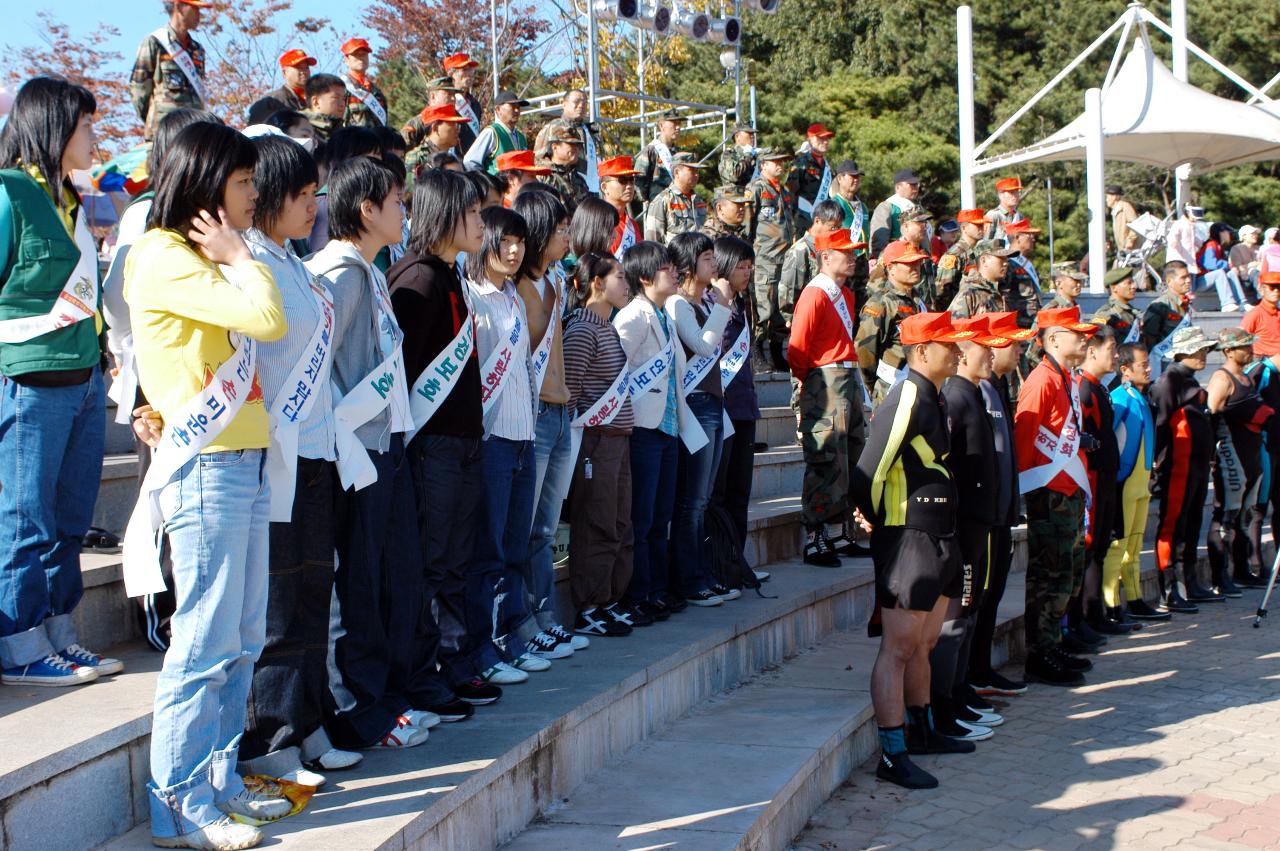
(704, 598)
(453, 711)
(657, 611)
(898, 768)
(1249, 580)
(1072, 643)
(1045, 668)
(1088, 634)
(998, 686)
(844, 546)
(674, 603)
(975, 701)
(819, 553)
(477, 692)
(1141, 610)
(1079, 664)
(596, 621)
(636, 615)
(1174, 603)
(1227, 588)
(1197, 593)
(724, 593)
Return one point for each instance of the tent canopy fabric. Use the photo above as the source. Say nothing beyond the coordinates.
(1151, 117)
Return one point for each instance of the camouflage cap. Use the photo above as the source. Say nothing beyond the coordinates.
(731, 193)
(916, 214)
(1235, 338)
(743, 127)
(559, 130)
(1115, 276)
(442, 84)
(1068, 269)
(688, 159)
(993, 246)
(1189, 340)
(775, 154)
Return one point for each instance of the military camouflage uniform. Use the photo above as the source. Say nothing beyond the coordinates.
(878, 336)
(1022, 293)
(1163, 314)
(542, 143)
(654, 176)
(928, 286)
(671, 213)
(324, 125)
(804, 181)
(1121, 317)
(1055, 537)
(158, 86)
(832, 433)
(568, 181)
(977, 295)
(715, 228)
(772, 233)
(737, 166)
(1059, 301)
(358, 114)
(998, 218)
(799, 267)
(419, 154)
(953, 266)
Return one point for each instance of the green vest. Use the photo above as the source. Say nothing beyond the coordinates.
(506, 141)
(41, 258)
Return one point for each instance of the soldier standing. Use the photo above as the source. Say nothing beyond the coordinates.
(560, 150)
(500, 137)
(618, 187)
(981, 290)
(810, 179)
(168, 73)
(1022, 283)
(801, 261)
(1119, 311)
(771, 231)
(326, 104)
(366, 104)
(886, 223)
(880, 355)
(1068, 281)
(440, 126)
(915, 232)
(959, 259)
(677, 209)
(656, 161)
(845, 193)
(461, 68)
(440, 91)
(729, 214)
(1009, 194)
(295, 67)
(1166, 313)
(738, 162)
(573, 115)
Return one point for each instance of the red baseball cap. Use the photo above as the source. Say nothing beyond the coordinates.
(900, 251)
(445, 112)
(1063, 317)
(981, 327)
(1020, 226)
(290, 58)
(617, 167)
(839, 240)
(976, 216)
(1271, 278)
(931, 328)
(199, 4)
(355, 45)
(1009, 184)
(520, 161)
(459, 60)
(819, 130)
(1006, 325)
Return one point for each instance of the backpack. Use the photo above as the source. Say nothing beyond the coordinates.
(724, 553)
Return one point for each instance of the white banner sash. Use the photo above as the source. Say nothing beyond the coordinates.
(77, 302)
(367, 97)
(494, 371)
(463, 105)
(1063, 452)
(440, 377)
(183, 60)
(542, 355)
(627, 239)
(606, 408)
(1160, 352)
(589, 146)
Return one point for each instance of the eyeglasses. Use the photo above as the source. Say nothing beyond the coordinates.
(563, 230)
(625, 181)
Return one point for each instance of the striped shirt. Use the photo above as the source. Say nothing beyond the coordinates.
(593, 357)
(513, 414)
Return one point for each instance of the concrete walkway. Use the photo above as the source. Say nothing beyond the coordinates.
(1174, 742)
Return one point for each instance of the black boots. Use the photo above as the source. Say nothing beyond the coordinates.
(898, 768)
(819, 552)
(1141, 610)
(922, 738)
(1171, 600)
(1049, 668)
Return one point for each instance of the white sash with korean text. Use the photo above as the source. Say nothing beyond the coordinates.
(542, 355)
(77, 302)
(1062, 452)
(1160, 352)
(197, 424)
(832, 291)
(294, 403)
(606, 408)
(440, 377)
(368, 98)
(463, 105)
(183, 60)
(497, 366)
(589, 152)
(627, 239)
(665, 156)
(730, 365)
(824, 192)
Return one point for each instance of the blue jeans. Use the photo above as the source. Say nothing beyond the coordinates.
(501, 561)
(1225, 282)
(554, 460)
(216, 512)
(694, 481)
(50, 465)
(654, 457)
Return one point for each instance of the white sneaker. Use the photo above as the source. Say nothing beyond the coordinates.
(577, 642)
(977, 732)
(422, 718)
(335, 760)
(104, 665)
(1230, 308)
(52, 670)
(257, 806)
(503, 674)
(305, 776)
(529, 662)
(546, 646)
(987, 719)
(404, 735)
(223, 835)
(761, 575)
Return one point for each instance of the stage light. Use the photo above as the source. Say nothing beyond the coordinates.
(725, 31)
(693, 25)
(617, 10)
(769, 7)
(653, 17)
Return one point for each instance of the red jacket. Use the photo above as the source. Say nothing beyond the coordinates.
(1045, 400)
(818, 337)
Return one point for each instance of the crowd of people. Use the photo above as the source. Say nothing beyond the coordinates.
(369, 372)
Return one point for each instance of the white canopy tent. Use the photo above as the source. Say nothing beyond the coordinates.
(1143, 113)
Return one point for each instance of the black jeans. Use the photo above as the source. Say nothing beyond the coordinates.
(732, 489)
(448, 481)
(287, 696)
(377, 601)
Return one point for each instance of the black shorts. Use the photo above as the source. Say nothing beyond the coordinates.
(914, 568)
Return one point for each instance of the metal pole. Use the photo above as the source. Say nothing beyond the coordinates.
(753, 106)
(593, 64)
(1095, 179)
(640, 80)
(493, 47)
(1178, 19)
(964, 86)
(1048, 195)
(737, 65)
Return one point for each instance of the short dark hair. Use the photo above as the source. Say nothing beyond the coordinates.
(1100, 337)
(642, 262)
(390, 138)
(591, 228)
(319, 84)
(440, 200)
(1127, 353)
(542, 212)
(440, 159)
(828, 211)
(167, 129)
(1216, 229)
(261, 110)
(484, 183)
(284, 169)
(499, 223)
(730, 251)
(1171, 267)
(44, 117)
(195, 171)
(285, 119)
(350, 142)
(685, 249)
(351, 183)
(590, 266)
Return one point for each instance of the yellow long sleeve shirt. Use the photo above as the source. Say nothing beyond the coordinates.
(182, 308)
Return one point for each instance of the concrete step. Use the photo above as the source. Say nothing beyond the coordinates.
(477, 784)
(119, 438)
(117, 492)
(747, 768)
(777, 426)
(773, 389)
(778, 471)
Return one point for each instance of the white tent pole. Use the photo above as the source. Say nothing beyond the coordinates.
(1095, 181)
(964, 87)
(1205, 57)
(1178, 18)
(1120, 48)
(1026, 107)
(1266, 87)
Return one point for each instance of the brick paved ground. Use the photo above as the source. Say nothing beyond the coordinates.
(1174, 742)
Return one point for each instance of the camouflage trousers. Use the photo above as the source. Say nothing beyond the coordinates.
(831, 436)
(1055, 563)
(769, 321)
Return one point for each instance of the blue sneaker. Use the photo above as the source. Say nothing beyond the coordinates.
(52, 670)
(104, 665)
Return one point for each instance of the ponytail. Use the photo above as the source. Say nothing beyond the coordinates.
(590, 267)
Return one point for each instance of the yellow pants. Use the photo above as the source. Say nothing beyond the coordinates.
(1123, 556)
